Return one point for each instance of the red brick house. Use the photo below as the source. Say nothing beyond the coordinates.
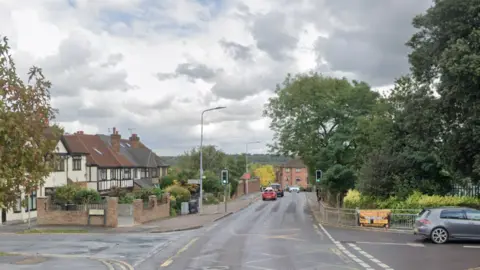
(292, 173)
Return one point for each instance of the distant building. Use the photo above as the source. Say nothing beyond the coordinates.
(292, 173)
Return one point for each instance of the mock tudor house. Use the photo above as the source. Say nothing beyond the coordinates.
(293, 173)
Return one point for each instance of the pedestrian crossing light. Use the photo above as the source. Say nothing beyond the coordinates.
(224, 177)
(318, 175)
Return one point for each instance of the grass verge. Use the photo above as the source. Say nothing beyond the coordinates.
(2, 254)
(39, 231)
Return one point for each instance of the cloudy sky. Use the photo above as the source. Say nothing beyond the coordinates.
(154, 65)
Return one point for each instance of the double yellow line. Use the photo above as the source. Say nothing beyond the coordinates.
(183, 249)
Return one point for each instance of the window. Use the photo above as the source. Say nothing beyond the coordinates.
(298, 170)
(287, 169)
(452, 214)
(18, 205)
(77, 163)
(32, 203)
(154, 172)
(114, 174)
(126, 174)
(60, 165)
(135, 173)
(298, 180)
(473, 214)
(103, 174)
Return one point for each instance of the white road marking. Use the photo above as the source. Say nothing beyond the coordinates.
(370, 257)
(471, 246)
(345, 251)
(393, 244)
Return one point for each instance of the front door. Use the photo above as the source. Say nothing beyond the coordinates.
(4, 215)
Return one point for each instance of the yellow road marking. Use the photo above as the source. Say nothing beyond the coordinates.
(107, 264)
(183, 249)
(166, 263)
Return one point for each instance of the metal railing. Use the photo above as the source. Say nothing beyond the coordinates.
(402, 219)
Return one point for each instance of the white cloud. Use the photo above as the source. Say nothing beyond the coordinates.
(155, 65)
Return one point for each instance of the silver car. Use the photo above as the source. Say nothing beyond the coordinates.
(294, 189)
(442, 224)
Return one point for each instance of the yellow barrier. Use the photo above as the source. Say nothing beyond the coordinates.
(374, 218)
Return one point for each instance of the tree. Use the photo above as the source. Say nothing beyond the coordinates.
(266, 174)
(25, 111)
(317, 118)
(213, 159)
(445, 54)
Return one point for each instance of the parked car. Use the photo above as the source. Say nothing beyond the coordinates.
(278, 189)
(294, 189)
(445, 223)
(269, 194)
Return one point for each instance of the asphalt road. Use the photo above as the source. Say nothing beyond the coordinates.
(276, 235)
(268, 235)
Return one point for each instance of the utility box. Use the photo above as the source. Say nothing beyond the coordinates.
(184, 209)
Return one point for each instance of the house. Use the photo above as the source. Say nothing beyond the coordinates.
(113, 161)
(106, 166)
(293, 173)
(65, 167)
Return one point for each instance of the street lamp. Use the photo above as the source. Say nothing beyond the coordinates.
(200, 203)
(246, 163)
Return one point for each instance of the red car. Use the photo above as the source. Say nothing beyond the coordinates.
(269, 194)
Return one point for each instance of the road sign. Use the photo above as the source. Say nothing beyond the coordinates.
(194, 181)
(224, 177)
(318, 175)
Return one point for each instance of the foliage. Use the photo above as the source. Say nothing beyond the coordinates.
(145, 193)
(66, 194)
(210, 199)
(173, 205)
(253, 158)
(416, 200)
(180, 193)
(87, 196)
(266, 174)
(117, 192)
(126, 199)
(25, 111)
(166, 181)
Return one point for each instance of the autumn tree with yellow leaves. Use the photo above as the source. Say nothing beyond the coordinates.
(266, 173)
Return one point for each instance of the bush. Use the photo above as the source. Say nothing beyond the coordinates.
(173, 205)
(416, 200)
(66, 194)
(166, 181)
(127, 199)
(180, 193)
(117, 192)
(145, 193)
(86, 196)
(210, 198)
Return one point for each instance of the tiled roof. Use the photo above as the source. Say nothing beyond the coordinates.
(294, 163)
(100, 153)
(144, 182)
(246, 176)
(74, 145)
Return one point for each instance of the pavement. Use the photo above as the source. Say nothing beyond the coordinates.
(267, 235)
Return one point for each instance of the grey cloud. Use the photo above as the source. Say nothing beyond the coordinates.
(87, 114)
(73, 69)
(236, 50)
(271, 36)
(191, 71)
(370, 40)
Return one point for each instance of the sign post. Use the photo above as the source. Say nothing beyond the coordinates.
(224, 178)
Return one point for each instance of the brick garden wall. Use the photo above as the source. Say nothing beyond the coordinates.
(45, 216)
(253, 186)
(156, 210)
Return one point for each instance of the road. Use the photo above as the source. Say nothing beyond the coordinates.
(271, 235)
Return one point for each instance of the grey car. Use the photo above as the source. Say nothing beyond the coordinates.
(445, 223)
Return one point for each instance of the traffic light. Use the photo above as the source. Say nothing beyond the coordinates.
(224, 177)
(318, 175)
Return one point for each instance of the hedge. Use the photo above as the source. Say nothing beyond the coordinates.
(416, 200)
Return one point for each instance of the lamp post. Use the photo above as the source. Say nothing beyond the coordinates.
(246, 163)
(200, 203)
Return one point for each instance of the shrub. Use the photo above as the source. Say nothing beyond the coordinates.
(86, 196)
(210, 199)
(416, 200)
(166, 181)
(127, 199)
(173, 205)
(117, 192)
(180, 193)
(144, 193)
(66, 194)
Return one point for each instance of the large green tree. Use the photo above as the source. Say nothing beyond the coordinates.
(320, 119)
(25, 111)
(446, 55)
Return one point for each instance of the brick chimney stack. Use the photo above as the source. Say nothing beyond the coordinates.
(134, 141)
(115, 139)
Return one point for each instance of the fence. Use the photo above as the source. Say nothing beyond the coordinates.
(402, 219)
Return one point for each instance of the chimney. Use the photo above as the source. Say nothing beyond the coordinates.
(80, 132)
(115, 139)
(134, 141)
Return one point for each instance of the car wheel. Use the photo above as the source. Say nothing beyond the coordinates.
(263, 199)
(439, 235)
